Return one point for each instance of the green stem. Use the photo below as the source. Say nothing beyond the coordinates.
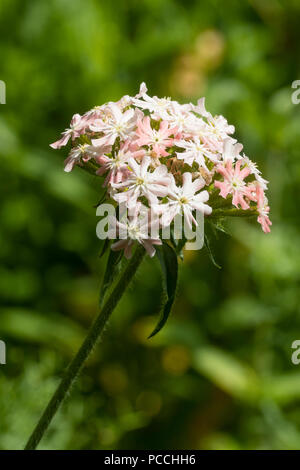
(217, 213)
(90, 341)
(90, 167)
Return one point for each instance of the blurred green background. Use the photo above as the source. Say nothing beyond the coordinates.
(219, 376)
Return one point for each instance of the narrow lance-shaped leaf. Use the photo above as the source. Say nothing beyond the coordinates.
(178, 243)
(180, 246)
(217, 226)
(104, 244)
(210, 253)
(169, 264)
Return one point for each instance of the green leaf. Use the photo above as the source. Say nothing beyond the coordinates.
(210, 253)
(104, 245)
(218, 227)
(111, 271)
(169, 265)
(178, 243)
(102, 199)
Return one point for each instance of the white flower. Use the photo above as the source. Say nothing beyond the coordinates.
(219, 127)
(231, 150)
(141, 182)
(180, 117)
(159, 107)
(195, 151)
(184, 200)
(200, 108)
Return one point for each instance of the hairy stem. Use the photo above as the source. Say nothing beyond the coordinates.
(90, 341)
(217, 213)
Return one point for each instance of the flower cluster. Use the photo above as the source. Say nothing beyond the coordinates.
(170, 158)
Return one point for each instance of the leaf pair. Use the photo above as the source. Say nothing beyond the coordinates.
(169, 265)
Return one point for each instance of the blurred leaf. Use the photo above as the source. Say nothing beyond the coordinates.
(228, 373)
(53, 331)
(283, 389)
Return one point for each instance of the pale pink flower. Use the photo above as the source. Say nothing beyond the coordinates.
(117, 165)
(234, 183)
(128, 244)
(143, 146)
(263, 209)
(80, 153)
(158, 140)
(77, 127)
(254, 171)
(184, 200)
(97, 112)
(135, 228)
(116, 124)
(142, 182)
(74, 157)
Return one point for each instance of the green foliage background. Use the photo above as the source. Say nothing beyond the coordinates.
(220, 375)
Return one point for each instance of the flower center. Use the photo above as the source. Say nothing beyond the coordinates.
(139, 181)
(134, 232)
(82, 148)
(183, 200)
(119, 128)
(236, 183)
